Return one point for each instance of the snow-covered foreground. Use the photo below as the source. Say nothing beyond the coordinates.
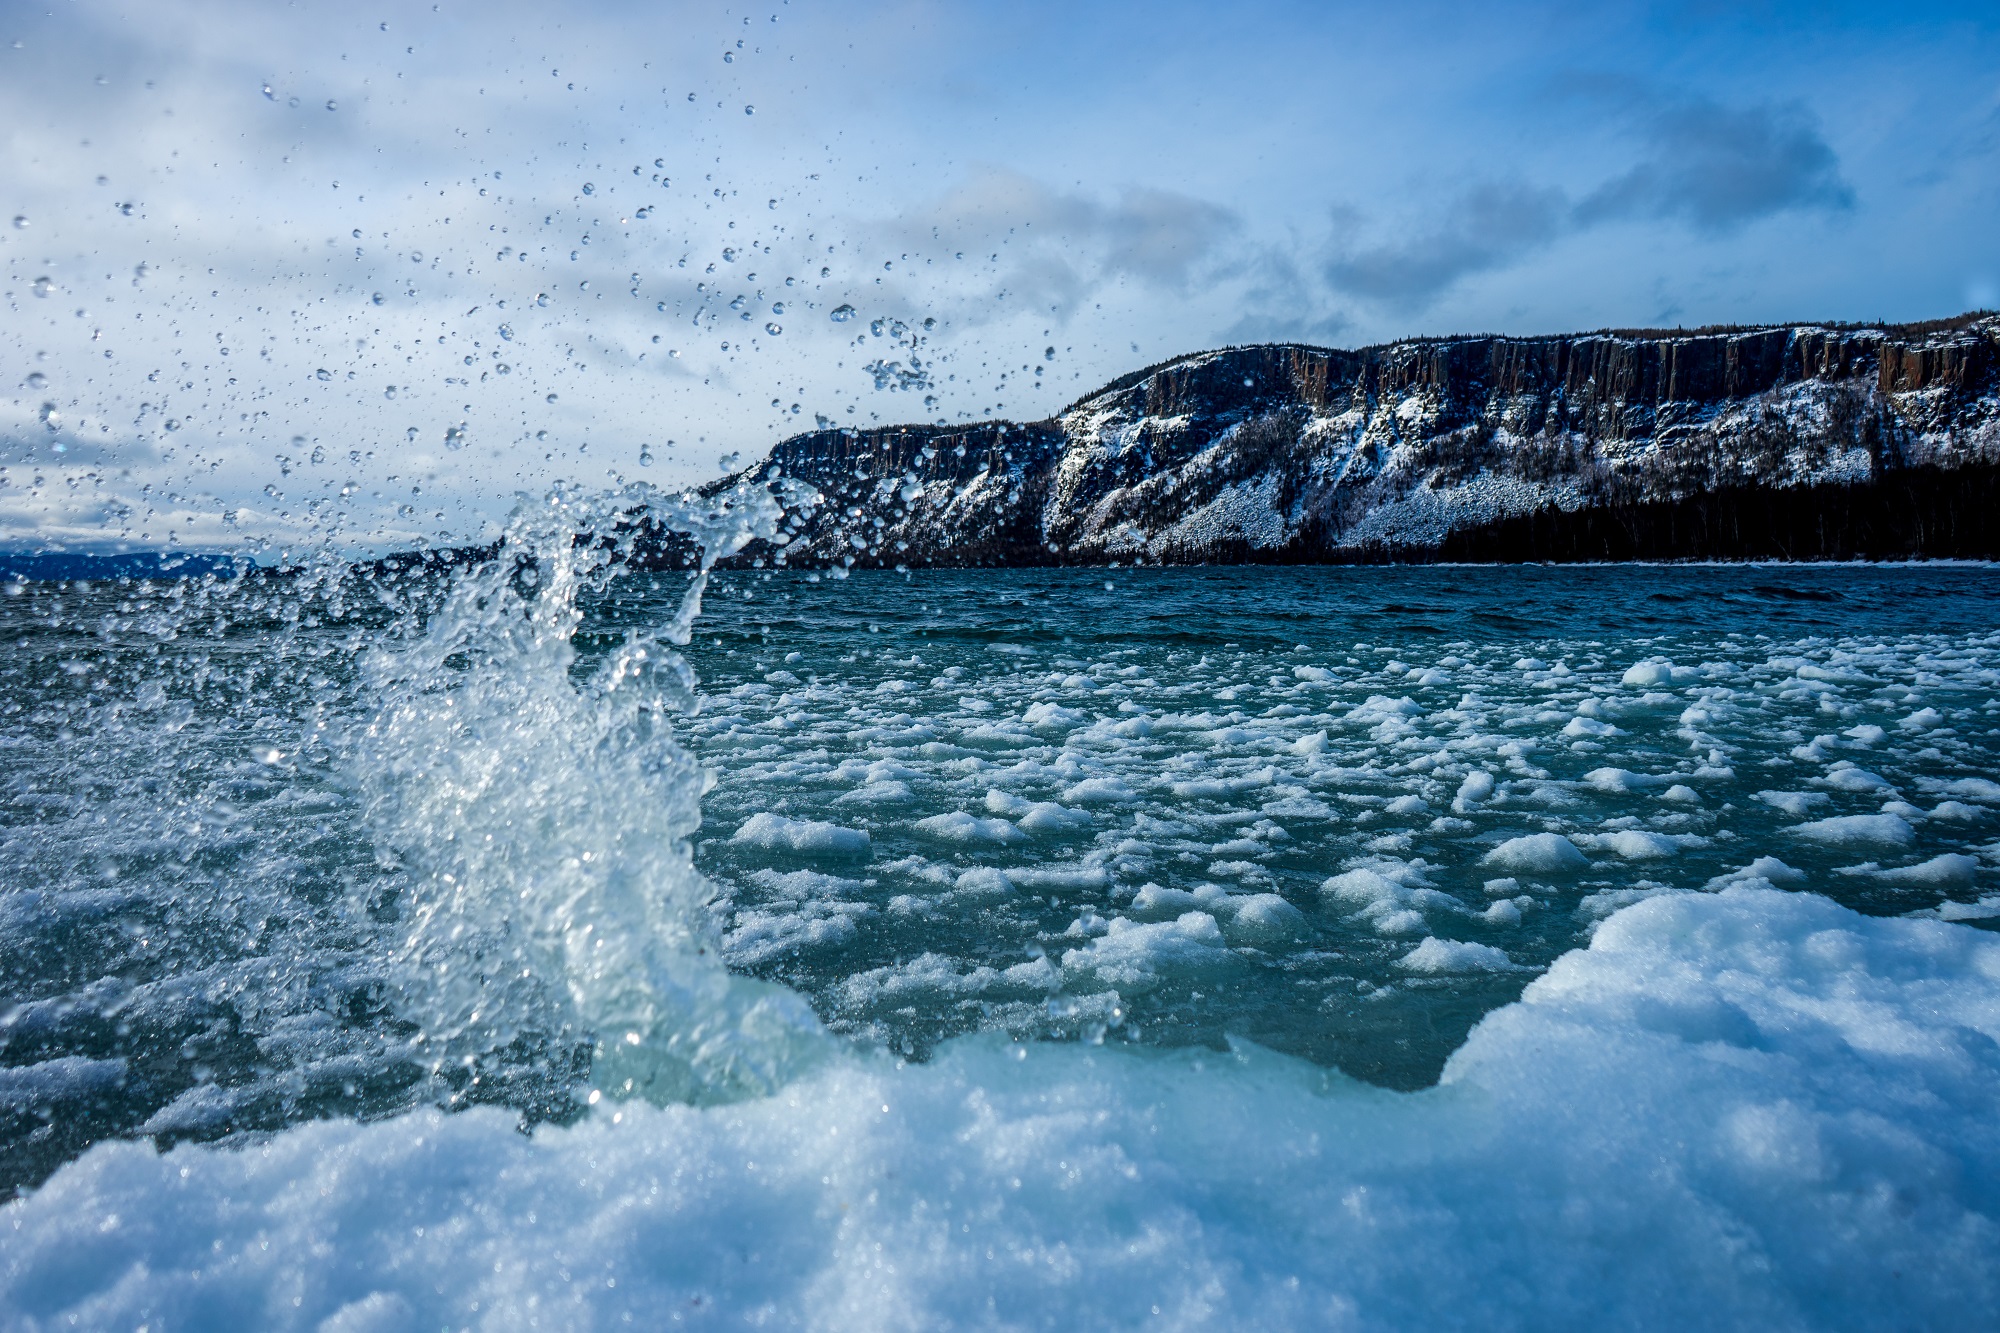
(1745, 1109)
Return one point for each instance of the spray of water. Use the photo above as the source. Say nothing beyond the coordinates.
(544, 812)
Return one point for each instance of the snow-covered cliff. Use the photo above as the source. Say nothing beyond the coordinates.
(1808, 441)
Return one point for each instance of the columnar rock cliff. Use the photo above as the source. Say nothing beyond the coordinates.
(1800, 442)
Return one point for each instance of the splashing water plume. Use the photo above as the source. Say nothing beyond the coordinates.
(545, 819)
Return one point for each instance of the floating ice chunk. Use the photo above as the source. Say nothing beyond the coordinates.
(1100, 791)
(1619, 780)
(1846, 777)
(1957, 810)
(1866, 734)
(1036, 816)
(1657, 671)
(1407, 805)
(1131, 956)
(810, 836)
(1313, 744)
(1680, 794)
(985, 882)
(1589, 727)
(1314, 675)
(1767, 871)
(1638, 845)
(1060, 876)
(1381, 708)
(1924, 719)
(1391, 897)
(887, 792)
(1537, 854)
(1953, 870)
(1435, 956)
(1794, 803)
(1502, 887)
(1984, 910)
(961, 827)
(1210, 789)
(1478, 785)
(1973, 789)
(1263, 918)
(1053, 717)
(1858, 830)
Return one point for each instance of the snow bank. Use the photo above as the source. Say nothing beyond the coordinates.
(1746, 1110)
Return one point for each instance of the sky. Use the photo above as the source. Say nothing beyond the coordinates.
(277, 275)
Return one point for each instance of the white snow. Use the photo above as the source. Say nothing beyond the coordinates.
(1750, 1110)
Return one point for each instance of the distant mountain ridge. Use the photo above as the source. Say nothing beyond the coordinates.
(1803, 442)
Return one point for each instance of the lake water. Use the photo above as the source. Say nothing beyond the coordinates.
(1150, 906)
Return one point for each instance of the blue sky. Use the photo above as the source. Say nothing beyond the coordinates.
(1069, 189)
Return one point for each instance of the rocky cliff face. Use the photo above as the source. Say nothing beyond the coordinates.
(1807, 442)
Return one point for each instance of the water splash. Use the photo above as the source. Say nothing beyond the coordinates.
(544, 814)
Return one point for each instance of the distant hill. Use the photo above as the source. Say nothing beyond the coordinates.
(1800, 442)
(54, 565)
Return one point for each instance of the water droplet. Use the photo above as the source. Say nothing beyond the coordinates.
(270, 93)
(455, 437)
(323, 374)
(588, 188)
(542, 298)
(728, 255)
(777, 307)
(37, 380)
(318, 455)
(389, 392)
(773, 329)
(410, 435)
(20, 221)
(173, 423)
(659, 161)
(751, 111)
(661, 307)
(42, 286)
(126, 209)
(841, 314)
(376, 298)
(876, 326)
(583, 286)
(550, 399)
(727, 59)
(1048, 354)
(51, 417)
(645, 455)
(331, 105)
(507, 332)
(826, 273)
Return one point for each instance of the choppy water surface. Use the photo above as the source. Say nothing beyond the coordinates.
(1344, 813)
